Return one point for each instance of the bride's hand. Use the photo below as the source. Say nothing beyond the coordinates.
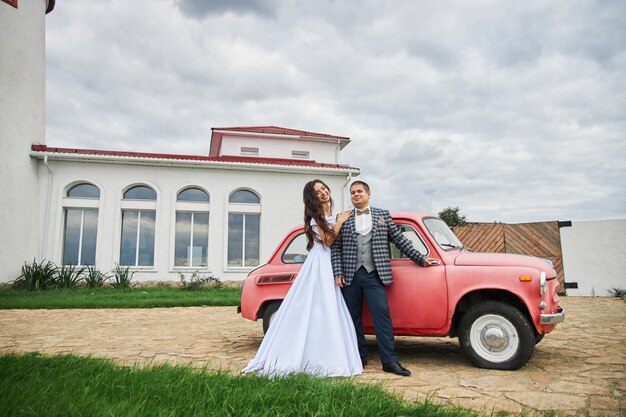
(343, 216)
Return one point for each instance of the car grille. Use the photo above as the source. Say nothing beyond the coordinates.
(275, 279)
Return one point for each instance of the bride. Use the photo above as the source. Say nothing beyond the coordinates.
(312, 331)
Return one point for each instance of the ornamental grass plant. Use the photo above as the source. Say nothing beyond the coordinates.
(94, 278)
(37, 276)
(69, 276)
(45, 275)
(122, 278)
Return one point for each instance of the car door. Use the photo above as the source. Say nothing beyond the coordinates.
(418, 297)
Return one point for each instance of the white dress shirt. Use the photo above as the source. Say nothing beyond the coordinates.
(363, 222)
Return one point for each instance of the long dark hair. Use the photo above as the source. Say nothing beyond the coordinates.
(313, 209)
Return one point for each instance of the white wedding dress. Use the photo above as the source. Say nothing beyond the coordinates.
(312, 331)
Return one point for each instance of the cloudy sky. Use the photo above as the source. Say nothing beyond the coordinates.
(514, 111)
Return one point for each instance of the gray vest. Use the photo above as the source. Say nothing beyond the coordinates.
(365, 256)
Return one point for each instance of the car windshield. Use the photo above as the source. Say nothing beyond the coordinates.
(442, 234)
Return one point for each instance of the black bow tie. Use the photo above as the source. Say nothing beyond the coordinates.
(364, 211)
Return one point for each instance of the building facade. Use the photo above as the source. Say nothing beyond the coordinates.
(158, 214)
(164, 214)
(22, 122)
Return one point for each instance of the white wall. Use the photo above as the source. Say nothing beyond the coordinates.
(281, 209)
(22, 122)
(594, 256)
(324, 152)
(31, 209)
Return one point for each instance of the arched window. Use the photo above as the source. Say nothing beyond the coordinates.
(192, 228)
(80, 226)
(244, 229)
(244, 197)
(193, 194)
(84, 190)
(138, 226)
(140, 192)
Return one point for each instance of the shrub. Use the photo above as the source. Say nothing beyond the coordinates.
(618, 292)
(69, 276)
(36, 276)
(122, 278)
(95, 278)
(197, 281)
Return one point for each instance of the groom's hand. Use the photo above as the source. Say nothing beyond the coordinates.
(340, 281)
(430, 261)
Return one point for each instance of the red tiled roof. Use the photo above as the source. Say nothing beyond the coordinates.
(276, 130)
(181, 157)
(218, 133)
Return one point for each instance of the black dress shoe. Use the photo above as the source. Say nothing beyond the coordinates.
(364, 362)
(396, 368)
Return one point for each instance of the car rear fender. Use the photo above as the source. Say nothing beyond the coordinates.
(263, 306)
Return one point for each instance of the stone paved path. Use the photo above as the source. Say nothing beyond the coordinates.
(579, 369)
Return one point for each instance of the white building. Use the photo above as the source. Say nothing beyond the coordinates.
(160, 214)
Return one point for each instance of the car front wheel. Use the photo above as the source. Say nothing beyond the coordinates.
(269, 313)
(496, 335)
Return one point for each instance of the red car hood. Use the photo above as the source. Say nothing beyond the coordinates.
(504, 259)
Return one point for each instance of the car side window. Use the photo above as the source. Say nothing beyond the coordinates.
(414, 237)
(296, 252)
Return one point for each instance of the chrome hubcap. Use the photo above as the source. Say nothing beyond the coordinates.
(494, 338)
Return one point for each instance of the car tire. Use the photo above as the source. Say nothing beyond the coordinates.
(269, 313)
(496, 335)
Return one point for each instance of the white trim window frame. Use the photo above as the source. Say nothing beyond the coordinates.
(82, 204)
(249, 151)
(246, 211)
(146, 218)
(194, 201)
(195, 210)
(300, 154)
(143, 220)
(82, 258)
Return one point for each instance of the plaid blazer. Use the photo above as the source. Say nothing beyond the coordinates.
(344, 249)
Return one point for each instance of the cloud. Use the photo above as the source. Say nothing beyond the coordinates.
(199, 9)
(511, 111)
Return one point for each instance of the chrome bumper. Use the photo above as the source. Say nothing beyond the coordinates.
(553, 318)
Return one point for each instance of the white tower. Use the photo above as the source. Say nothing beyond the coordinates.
(22, 122)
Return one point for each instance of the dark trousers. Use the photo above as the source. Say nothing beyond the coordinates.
(368, 285)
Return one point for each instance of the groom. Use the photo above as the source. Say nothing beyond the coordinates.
(362, 267)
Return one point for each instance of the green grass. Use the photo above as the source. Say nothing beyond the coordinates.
(115, 298)
(66, 385)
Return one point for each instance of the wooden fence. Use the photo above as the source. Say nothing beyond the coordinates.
(537, 239)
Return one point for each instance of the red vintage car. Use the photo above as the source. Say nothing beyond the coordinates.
(498, 305)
